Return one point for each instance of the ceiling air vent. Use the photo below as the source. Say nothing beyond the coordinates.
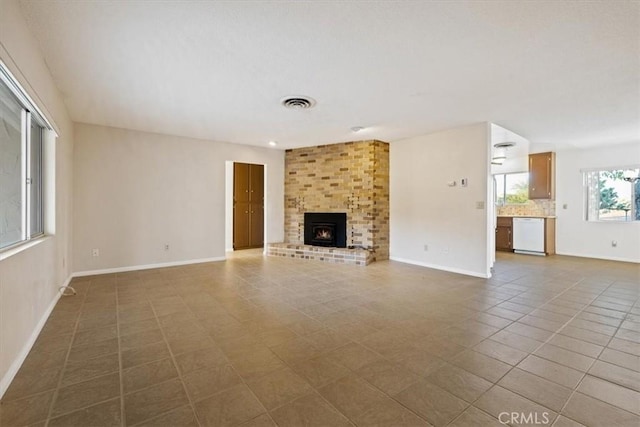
(298, 102)
(505, 145)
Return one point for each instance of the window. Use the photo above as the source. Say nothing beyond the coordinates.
(511, 188)
(612, 195)
(21, 163)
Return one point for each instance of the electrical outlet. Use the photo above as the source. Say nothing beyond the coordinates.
(479, 205)
(95, 252)
(614, 244)
(166, 247)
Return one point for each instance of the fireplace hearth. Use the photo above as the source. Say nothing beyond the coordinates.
(325, 229)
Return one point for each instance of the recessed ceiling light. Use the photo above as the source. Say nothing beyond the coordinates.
(273, 143)
(357, 128)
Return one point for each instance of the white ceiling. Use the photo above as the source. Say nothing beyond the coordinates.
(565, 73)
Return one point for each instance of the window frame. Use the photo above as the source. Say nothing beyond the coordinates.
(31, 180)
(504, 189)
(587, 192)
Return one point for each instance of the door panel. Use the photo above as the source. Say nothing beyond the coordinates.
(248, 206)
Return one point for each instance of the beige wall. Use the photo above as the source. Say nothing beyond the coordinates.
(29, 280)
(425, 210)
(137, 191)
(350, 177)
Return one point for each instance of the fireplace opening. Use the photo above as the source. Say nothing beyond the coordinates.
(325, 229)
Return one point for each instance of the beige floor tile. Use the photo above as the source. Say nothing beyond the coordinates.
(585, 335)
(32, 381)
(625, 346)
(319, 371)
(141, 339)
(181, 417)
(327, 339)
(563, 421)
(536, 389)
(459, 382)
(263, 420)
(231, 407)
(256, 365)
(296, 349)
(352, 396)
(353, 356)
(86, 393)
(596, 413)
(613, 394)
(499, 400)
(473, 417)
(388, 377)
(483, 366)
(626, 360)
(279, 387)
(551, 371)
(200, 359)
(575, 345)
(148, 403)
(93, 336)
(140, 355)
(143, 376)
(26, 411)
(206, 382)
(83, 370)
(90, 351)
(312, 411)
(616, 374)
(390, 413)
(565, 357)
(432, 403)
(529, 331)
(516, 341)
(106, 414)
(500, 352)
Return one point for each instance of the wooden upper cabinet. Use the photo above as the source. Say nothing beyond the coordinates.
(542, 175)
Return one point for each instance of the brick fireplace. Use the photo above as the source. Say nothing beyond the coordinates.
(350, 178)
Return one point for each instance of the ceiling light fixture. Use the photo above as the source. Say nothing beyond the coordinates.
(500, 152)
(273, 143)
(357, 128)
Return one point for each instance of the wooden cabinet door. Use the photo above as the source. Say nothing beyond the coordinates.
(503, 238)
(541, 176)
(241, 221)
(256, 197)
(248, 206)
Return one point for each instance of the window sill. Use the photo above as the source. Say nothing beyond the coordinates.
(20, 247)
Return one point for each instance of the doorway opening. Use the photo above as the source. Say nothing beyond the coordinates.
(248, 206)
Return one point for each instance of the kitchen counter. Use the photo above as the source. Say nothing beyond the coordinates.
(526, 216)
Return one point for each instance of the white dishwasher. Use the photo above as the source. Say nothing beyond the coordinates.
(528, 236)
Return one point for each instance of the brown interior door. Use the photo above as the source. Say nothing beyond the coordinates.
(241, 207)
(256, 196)
(248, 206)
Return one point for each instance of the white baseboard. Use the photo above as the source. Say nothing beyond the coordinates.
(621, 259)
(19, 360)
(145, 267)
(440, 267)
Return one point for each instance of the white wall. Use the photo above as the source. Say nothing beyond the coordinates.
(137, 191)
(426, 211)
(29, 280)
(574, 235)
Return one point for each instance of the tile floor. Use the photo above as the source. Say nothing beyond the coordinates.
(260, 341)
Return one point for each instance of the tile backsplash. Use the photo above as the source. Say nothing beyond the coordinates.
(532, 207)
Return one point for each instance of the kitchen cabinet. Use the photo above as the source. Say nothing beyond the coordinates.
(248, 206)
(542, 176)
(504, 234)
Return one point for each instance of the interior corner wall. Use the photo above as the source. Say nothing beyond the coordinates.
(29, 280)
(432, 223)
(574, 235)
(136, 192)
